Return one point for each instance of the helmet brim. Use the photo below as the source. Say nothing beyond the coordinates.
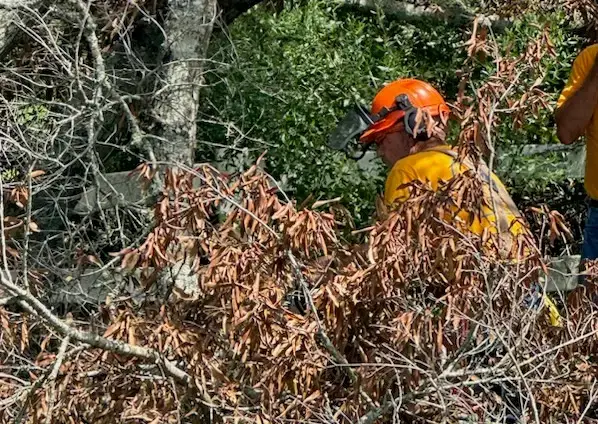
(375, 130)
(373, 133)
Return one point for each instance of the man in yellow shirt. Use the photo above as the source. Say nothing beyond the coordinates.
(407, 123)
(575, 116)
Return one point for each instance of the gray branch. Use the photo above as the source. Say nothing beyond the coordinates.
(12, 20)
(33, 305)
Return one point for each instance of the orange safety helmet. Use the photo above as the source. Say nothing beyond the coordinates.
(420, 95)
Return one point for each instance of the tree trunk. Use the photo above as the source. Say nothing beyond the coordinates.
(454, 11)
(188, 26)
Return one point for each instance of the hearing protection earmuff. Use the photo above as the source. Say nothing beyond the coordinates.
(418, 132)
(349, 130)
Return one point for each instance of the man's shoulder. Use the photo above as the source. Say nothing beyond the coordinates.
(591, 49)
(588, 53)
(422, 163)
(424, 157)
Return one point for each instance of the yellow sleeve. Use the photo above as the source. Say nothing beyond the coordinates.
(579, 71)
(397, 177)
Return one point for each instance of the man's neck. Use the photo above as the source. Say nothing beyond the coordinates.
(425, 145)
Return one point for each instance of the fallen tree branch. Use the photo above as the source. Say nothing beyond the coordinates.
(523, 379)
(33, 305)
(455, 12)
(54, 374)
(321, 336)
(137, 135)
(375, 413)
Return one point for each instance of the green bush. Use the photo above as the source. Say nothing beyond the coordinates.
(289, 78)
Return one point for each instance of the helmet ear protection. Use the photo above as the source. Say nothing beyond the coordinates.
(348, 131)
(417, 131)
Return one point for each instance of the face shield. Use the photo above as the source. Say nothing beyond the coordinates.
(346, 135)
(349, 130)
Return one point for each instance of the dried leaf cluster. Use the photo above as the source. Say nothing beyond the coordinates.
(504, 94)
(282, 320)
(425, 316)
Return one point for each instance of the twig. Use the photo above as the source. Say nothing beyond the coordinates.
(562, 345)
(523, 379)
(33, 305)
(53, 375)
(137, 137)
(593, 395)
(41, 381)
(338, 357)
(25, 254)
(12, 377)
(3, 244)
(7, 300)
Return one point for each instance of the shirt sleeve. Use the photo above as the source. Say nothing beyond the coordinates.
(396, 178)
(579, 71)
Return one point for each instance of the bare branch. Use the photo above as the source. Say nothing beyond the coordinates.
(38, 308)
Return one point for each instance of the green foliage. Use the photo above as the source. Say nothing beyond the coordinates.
(31, 114)
(291, 77)
(294, 75)
(539, 129)
(9, 175)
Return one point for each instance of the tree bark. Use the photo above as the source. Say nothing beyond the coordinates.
(188, 27)
(454, 11)
(11, 19)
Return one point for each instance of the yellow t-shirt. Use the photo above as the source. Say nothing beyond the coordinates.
(580, 70)
(432, 167)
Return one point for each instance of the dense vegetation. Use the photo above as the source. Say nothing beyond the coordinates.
(178, 293)
(289, 77)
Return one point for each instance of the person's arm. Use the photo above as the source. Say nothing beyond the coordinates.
(574, 116)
